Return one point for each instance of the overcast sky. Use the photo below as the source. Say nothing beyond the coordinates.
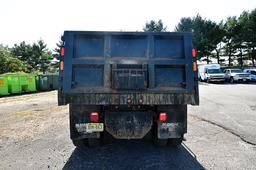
(30, 20)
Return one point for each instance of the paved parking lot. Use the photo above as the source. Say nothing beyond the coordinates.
(34, 134)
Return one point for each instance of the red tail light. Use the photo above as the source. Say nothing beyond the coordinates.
(194, 52)
(162, 117)
(94, 117)
(129, 100)
(62, 51)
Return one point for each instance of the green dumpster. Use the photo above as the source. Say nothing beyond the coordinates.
(31, 83)
(3, 85)
(48, 82)
(55, 81)
(14, 86)
(23, 82)
(37, 82)
(43, 82)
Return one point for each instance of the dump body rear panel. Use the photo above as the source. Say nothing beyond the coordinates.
(109, 67)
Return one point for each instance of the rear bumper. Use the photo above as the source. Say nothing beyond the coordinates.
(241, 79)
(121, 99)
(217, 79)
(129, 123)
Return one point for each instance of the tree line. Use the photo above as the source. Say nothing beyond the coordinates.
(234, 38)
(27, 58)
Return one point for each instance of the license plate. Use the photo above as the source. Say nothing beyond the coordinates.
(244, 79)
(94, 127)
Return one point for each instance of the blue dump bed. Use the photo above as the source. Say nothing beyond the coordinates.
(106, 68)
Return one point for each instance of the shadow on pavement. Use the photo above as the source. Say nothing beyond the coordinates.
(132, 154)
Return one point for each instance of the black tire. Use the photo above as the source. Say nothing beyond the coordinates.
(81, 143)
(160, 142)
(94, 142)
(175, 142)
(199, 79)
(231, 80)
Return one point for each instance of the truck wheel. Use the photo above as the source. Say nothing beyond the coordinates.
(94, 142)
(175, 142)
(161, 142)
(231, 80)
(81, 143)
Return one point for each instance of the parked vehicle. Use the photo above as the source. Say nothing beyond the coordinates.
(210, 73)
(235, 75)
(127, 84)
(252, 72)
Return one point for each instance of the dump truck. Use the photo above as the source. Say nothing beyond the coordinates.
(127, 84)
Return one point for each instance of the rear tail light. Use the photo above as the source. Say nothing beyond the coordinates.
(94, 117)
(61, 65)
(162, 117)
(62, 51)
(129, 100)
(193, 52)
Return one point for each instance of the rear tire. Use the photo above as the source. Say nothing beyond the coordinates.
(208, 80)
(199, 79)
(231, 80)
(81, 143)
(94, 142)
(160, 142)
(175, 142)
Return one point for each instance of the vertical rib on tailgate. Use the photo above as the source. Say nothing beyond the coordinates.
(128, 62)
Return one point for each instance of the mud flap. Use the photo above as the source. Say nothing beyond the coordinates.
(170, 130)
(79, 115)
(128, 125)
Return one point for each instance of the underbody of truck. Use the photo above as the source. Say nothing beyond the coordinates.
(127, 84)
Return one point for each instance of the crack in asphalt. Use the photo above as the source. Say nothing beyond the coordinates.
(226, 129)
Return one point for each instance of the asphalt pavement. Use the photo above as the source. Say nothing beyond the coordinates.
(34, 134)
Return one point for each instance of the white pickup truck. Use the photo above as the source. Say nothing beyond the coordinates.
(235, 75)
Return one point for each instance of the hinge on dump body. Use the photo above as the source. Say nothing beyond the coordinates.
(73, 84)
(183, 84)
